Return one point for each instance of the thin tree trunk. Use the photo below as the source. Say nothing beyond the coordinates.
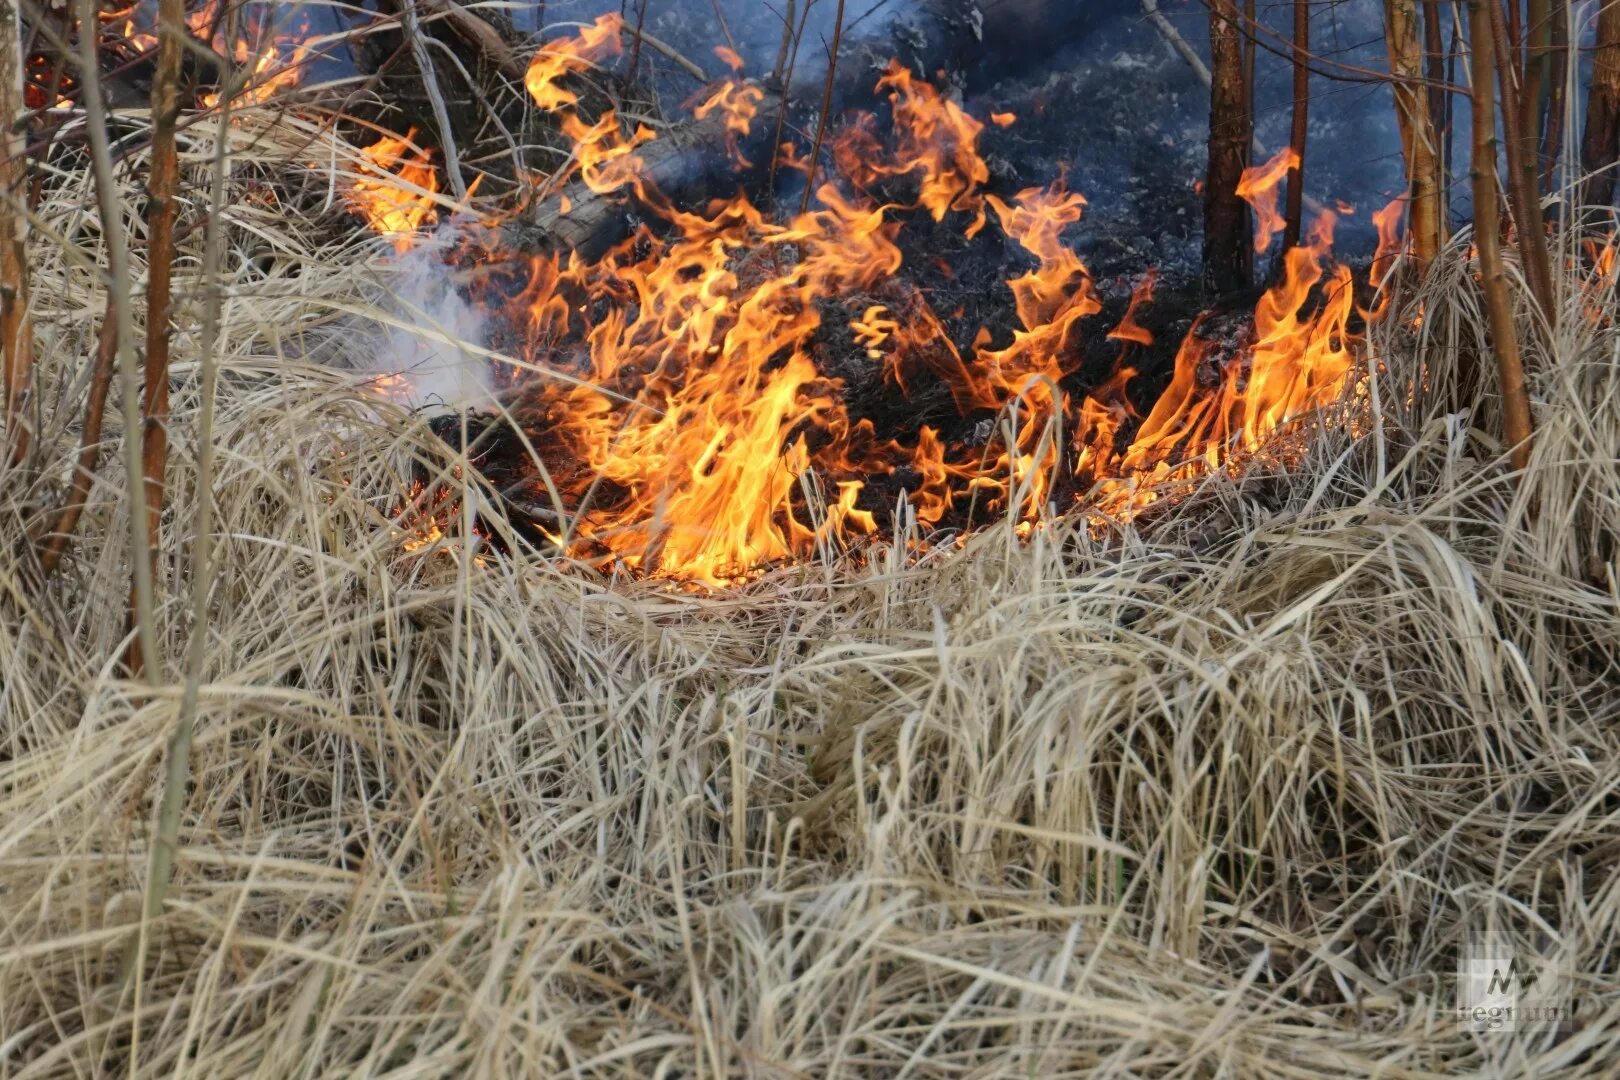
(1249, 50)
(161, 185)
(16, 336)
(1557, 73)
(1418, 142)
(1533, 87)
(1228, 250)
(1600, 143)
(1293, 227)
(1434, 70)
(1524, 184)
(1504, 334)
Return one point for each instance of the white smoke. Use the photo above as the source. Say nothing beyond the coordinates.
(433, 356)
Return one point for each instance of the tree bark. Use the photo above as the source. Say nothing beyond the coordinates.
(1228, 250)
(1504, 334)
(1294, 212)
(1419, 144)
(1600, 144)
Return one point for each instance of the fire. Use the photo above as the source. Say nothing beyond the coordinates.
(1258, 187)
(699, 435)
(275, 55)
(395, 194)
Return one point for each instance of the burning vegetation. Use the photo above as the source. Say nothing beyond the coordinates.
(647, 547)
(702, 433)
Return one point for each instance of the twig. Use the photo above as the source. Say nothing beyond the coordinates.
(441, 114)
(787, 40)
(635, 45)
(826, 107)
(731, 42)
(781, 112)
(670, 53)
(1293, 228)
(177, 769)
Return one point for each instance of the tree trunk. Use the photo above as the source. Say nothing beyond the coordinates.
(1557, 74)
(1600, 145)
(1434, 48)
(162, 184)
(1533, 87)
(1295, 210)
(1488, 238)
(1524, 180)
(1228, 249)
(1419, 145)
(16, 336)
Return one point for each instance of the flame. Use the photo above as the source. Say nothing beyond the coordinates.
(736, 103)
(700, 435)
(1258, 187)
(571, 56)
(395, 194)
(276, 57)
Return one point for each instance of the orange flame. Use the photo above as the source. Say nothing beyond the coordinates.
(1258, 187)
(395, 195)
(698, 437)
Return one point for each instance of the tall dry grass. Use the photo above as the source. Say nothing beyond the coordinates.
(1219, 794)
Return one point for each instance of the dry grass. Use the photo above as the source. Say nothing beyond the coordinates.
(1218, 796)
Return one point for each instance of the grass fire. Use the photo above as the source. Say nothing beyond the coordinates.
(917, 537)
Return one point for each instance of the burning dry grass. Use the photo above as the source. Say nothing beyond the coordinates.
(1218, 794)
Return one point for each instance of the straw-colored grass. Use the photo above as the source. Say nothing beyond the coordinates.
(1217, 795)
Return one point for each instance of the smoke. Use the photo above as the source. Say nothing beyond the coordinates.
(433, 357)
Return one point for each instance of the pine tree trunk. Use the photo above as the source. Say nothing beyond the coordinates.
(1419, 145)
(1600, 145)
(1228, 249)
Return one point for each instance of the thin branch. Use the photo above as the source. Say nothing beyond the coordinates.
(84, 472)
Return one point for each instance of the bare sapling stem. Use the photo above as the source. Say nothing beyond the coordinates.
(143, 653)
(1419, 143)
(16, 335)
(1294, 212)
(826, 106)
(1523, 181)
(54, 542)
(1488, 238)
